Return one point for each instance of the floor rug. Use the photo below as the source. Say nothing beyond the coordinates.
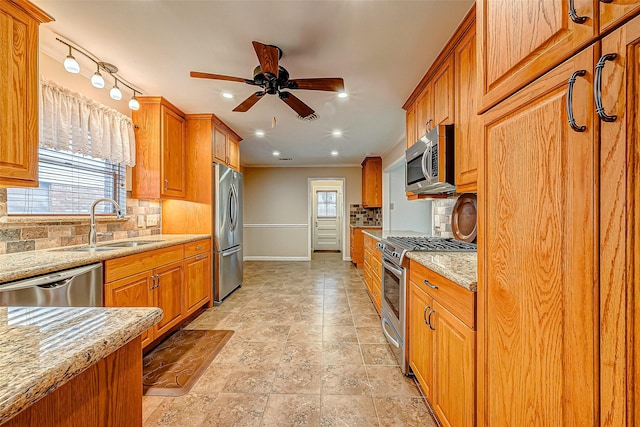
(173, 367)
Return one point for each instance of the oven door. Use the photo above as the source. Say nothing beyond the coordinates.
(393, 310)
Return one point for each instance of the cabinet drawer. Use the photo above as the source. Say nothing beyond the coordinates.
(126, 266)
(458, 300)
(194, 248)
(376, 266)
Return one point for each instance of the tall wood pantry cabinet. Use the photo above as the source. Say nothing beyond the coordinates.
(372, 182)
(559, 233)
(19, 86)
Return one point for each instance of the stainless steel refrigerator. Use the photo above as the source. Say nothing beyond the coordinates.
(227, 228)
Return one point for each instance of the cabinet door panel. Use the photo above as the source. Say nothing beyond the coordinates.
(537, 318)
(443, 94)
(424, 110)
(420, 338)
(468, 138)
(173, 134)
(611, 14)
(134, 291)
(234, 153)
(197, 278)
(545, 37)
(18, 98)
(454, 376)
(220, 146)
(411, 125)
(168, 294)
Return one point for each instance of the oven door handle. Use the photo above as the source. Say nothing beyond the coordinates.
(386, 264)
(384, 330)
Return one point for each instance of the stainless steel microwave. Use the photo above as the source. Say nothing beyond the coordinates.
(430, 167)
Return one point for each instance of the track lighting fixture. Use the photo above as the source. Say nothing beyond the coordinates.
(70, 63)
(97, 80)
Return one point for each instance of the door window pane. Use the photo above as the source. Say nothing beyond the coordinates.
(327, 204)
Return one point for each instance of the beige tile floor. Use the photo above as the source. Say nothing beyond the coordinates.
(307, 351)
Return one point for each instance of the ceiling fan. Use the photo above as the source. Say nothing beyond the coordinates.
(274, 80)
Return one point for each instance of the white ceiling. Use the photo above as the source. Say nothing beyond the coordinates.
(380, 48)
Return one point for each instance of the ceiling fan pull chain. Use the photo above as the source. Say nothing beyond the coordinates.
(273, 122)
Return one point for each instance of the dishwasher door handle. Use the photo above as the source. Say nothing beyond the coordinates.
(48, 279)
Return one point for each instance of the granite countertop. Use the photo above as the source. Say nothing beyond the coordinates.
(459, 267)
(364, 226)
(383, 234)
(34, 263)
(43, 348)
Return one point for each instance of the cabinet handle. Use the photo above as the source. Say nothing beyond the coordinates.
(574, 15)
(157, 280)
(199, 257)
(426, 282)
(606, 1)
(429, 320)
(153, 282)
(424, 315)
(198, 247)
(166, 184)
(572, 120)
(597, 88)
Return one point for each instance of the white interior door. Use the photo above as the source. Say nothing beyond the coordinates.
(327, 220)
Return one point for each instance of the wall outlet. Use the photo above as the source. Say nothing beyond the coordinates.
(141, 222)
(391, 206)
(152, 220)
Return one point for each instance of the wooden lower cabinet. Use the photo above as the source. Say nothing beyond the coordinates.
(442, 347)
(373, 270)
(197, 275)
(357, 245)
(161, 278)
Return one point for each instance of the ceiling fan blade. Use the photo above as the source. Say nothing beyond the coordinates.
(268, 57)
(331, 84)
(249, 102)
(298, 106)
(216, 77)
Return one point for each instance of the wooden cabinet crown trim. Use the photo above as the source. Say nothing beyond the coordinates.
(32, 10)
(162, 101)
(216, 121)
(468, 24)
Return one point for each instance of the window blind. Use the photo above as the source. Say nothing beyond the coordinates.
(69, 184)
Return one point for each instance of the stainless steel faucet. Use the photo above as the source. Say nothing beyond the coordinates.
(92, 230)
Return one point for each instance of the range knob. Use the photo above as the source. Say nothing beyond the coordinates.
(395, 254)
(379, 246)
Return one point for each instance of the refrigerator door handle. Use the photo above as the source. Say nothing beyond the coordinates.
(229, 253)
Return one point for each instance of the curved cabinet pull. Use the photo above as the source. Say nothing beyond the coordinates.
(166, 184)
(424, 314)
(574, 15)
(429, 320)
(597, 88)
(606, 1)
(572, 120)
(426, 282)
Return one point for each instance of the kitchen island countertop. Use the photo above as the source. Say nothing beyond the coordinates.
(43, 348)
(34, 263)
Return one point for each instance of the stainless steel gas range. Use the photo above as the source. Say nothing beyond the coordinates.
(394, 283)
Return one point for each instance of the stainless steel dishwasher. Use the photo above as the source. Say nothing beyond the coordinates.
(76, 287)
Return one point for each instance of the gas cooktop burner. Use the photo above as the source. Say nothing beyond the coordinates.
(436, 244)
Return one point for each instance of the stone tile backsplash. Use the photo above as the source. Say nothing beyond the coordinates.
(442, 210)
(359, 215)
(28, 233)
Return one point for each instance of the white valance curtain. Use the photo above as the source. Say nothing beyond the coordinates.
(72, 122)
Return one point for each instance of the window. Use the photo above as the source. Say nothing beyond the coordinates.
(327, 204)
(69, 184)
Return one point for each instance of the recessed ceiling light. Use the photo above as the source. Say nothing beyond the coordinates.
(337, 132)
(343, 95)
(276, 153)
(227, 95)
(260, 133)
(334, 153)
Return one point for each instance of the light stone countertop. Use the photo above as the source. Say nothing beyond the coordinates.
(35, 263)
(383, 234)
(459, 267)
(364, 226)
(43, 348)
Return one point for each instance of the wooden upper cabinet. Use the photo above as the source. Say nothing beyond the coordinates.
(616, 11)
(424, 111)
(160, 150)
(538, 324)
(234, 153)
(412, 135)
(443, 94)
(518, 41)
(219, 146)
(468, 137)
(19, 21)
(226, 146)
(372, 182)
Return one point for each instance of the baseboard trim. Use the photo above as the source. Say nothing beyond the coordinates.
(275, 258)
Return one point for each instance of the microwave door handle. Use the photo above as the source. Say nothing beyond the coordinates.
(424, 162)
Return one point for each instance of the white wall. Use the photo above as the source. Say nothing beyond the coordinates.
(405, 214)
(276, 208)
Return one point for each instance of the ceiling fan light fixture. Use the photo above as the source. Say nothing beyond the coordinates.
(260, 133)
(227, 95)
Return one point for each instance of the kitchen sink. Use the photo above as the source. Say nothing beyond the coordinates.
(96, 249)
(131, 244)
